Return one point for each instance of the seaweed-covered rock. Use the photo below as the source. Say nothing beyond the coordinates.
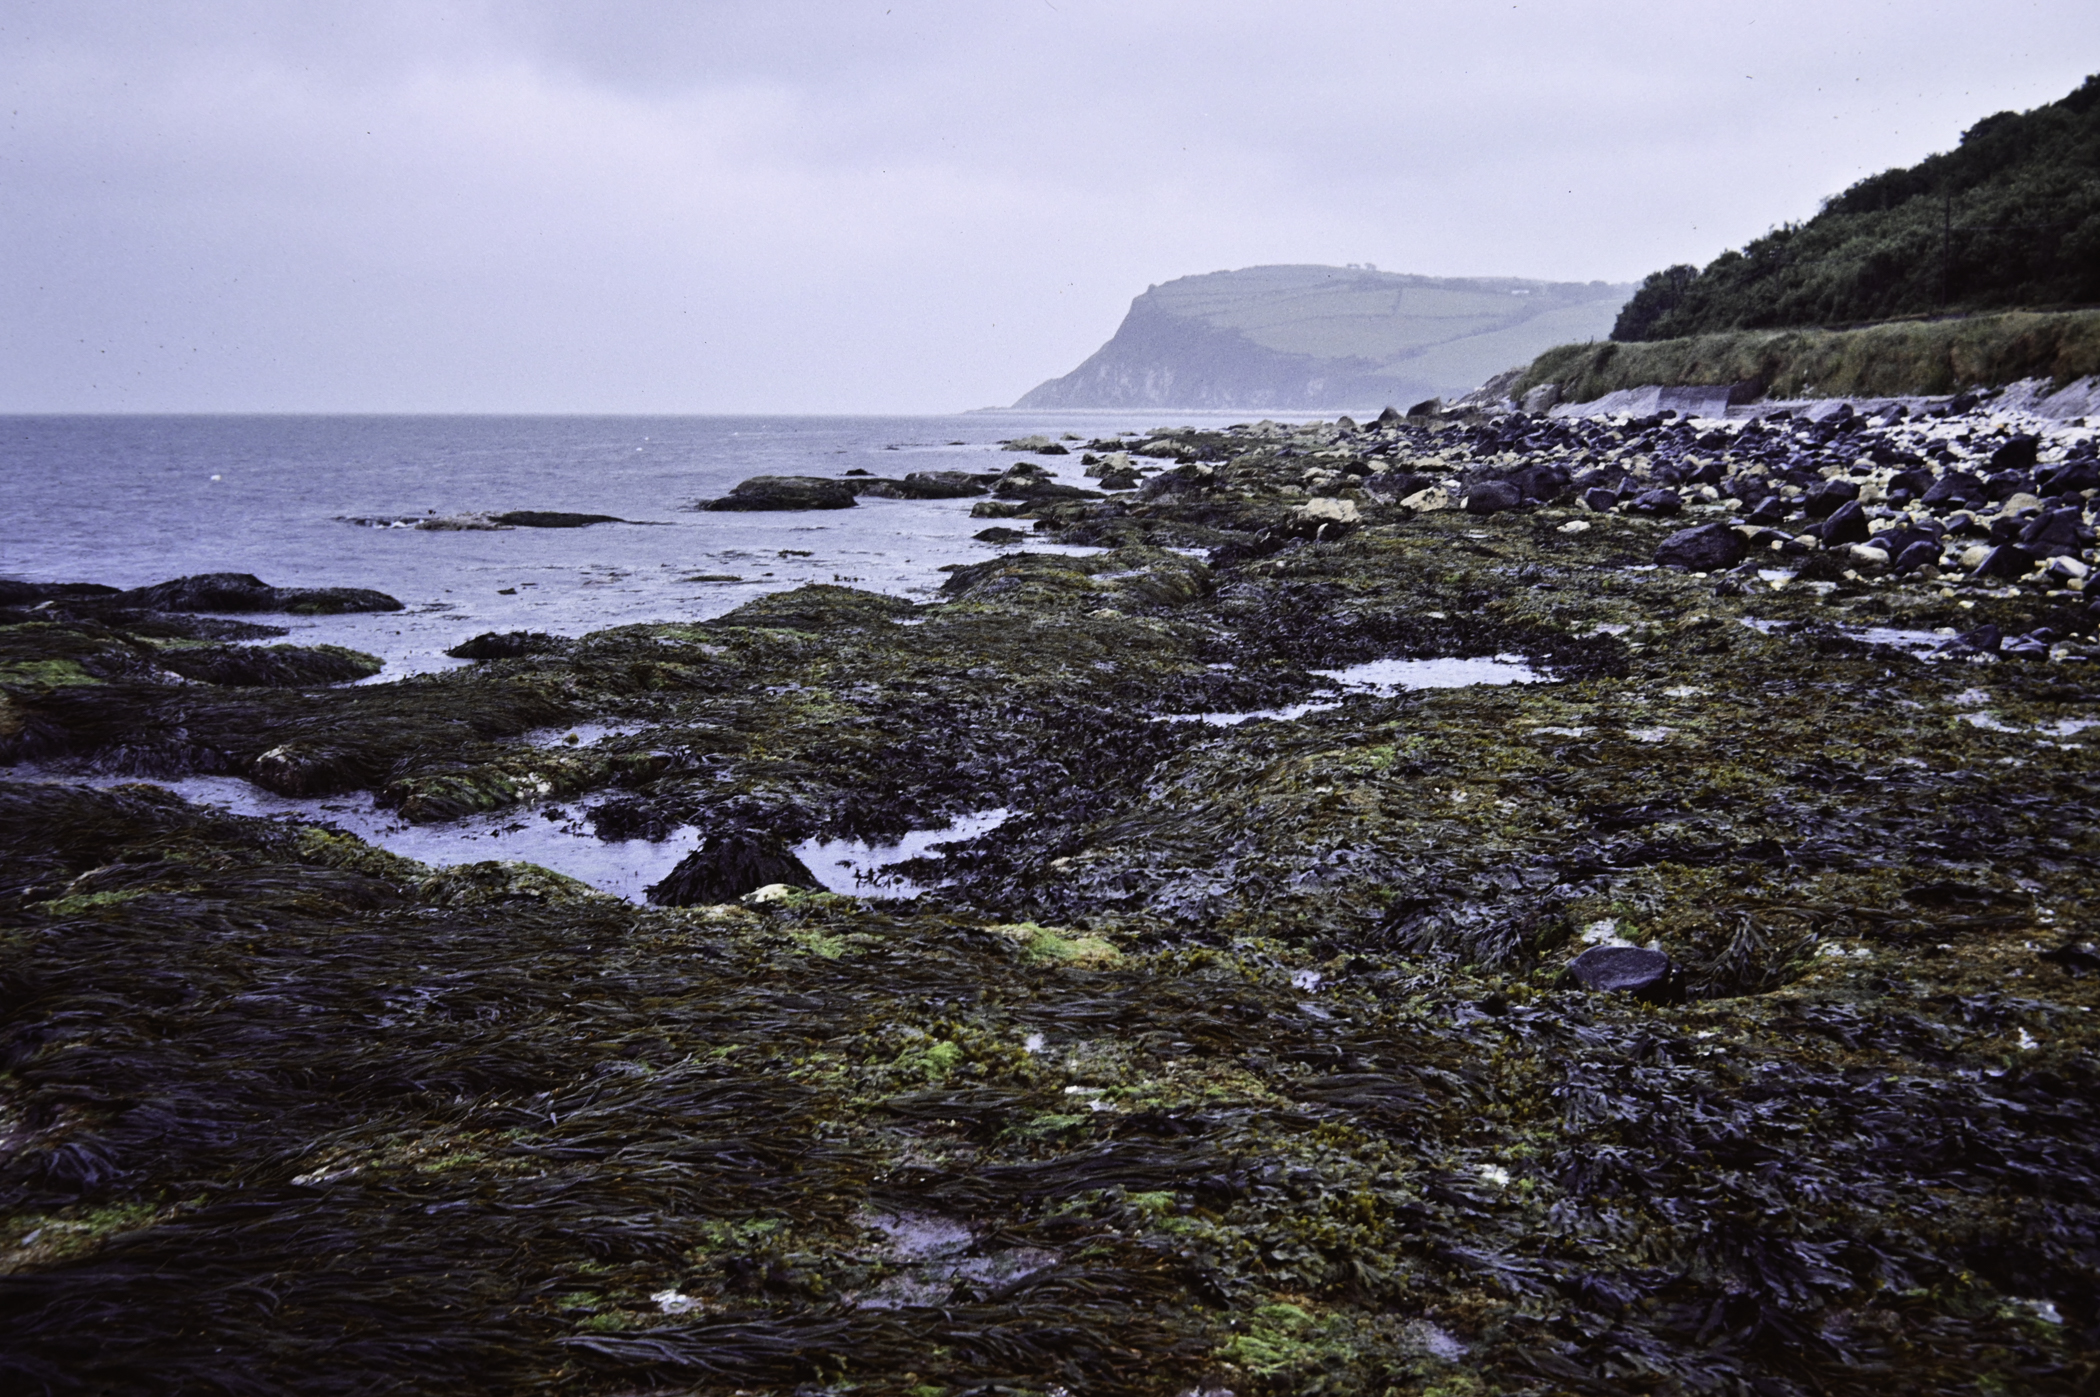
(764, 492)
(495, 882)
(508, 645)
(726, 866)
(1705, 548)
(272, 666)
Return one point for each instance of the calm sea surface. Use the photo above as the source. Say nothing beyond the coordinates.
(133, 500)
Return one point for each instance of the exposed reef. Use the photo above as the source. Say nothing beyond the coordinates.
(1713, 1014)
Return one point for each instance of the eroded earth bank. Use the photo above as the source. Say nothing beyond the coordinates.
(1247, 1054)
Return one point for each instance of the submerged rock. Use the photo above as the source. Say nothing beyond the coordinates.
(726, 866)
(762, 492)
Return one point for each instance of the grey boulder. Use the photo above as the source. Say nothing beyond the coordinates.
(1706, 548)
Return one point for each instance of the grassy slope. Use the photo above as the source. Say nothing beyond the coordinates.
(1938, 356)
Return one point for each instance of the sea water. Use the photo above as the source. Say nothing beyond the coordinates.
(128, 501)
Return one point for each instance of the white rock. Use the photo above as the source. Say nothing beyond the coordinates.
(1328, 510)
(2069, 567)
(1575, 526)
(1426, 501)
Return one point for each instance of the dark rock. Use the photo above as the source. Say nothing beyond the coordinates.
(1429, 407)
(1028, 487)
(30, 593)
(1626, 969)
(1660, 503)
(1000, 536)
(1984, 639)
(1827, 498)
(507, 645)
(240, 591)
(2055, 532)
(331, 601)
(1955, 487)
(2018, 454)
(1915, 482)
(1391, 417)
(1124, 479)
(1492, 497)
(1600, 499)
(1542, 483)
(1770, 510)
(1053, 449)
(271, 666)
(554, 519)
(2005, 484)
(763, 492)
(2069, 478)
(2005, 561)
(1922, 553)
(309, 769)
(1847, 524)
(209, 591)
(1706, 548)
(726, 866)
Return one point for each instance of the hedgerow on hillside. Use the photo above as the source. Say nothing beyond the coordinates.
(2010, 217)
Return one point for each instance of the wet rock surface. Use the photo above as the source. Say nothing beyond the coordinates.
(1272, 1057)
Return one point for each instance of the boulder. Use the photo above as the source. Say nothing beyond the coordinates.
(2006, 561)
(1826, 499)
(1623, 969)
(2056, 530)
(1600, 499)
(999, 535)
(1847, 524)
(1920, 553)
(1660, 503)
(1542, 398)
(726, 866)
(762, 492)
(1955, 487)
(1707, 548)
(1492, 497)
(2017, 454)
(1428, 407)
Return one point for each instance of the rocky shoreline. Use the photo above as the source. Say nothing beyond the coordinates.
(1715, 1016)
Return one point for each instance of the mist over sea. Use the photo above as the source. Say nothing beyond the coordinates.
(134, 500)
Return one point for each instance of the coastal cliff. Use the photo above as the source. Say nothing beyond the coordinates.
(1309, 337)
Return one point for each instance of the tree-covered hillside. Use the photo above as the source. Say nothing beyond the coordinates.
(2010, 217)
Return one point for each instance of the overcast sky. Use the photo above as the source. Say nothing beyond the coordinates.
(894, 206)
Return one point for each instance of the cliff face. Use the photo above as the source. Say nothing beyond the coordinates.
(1325, 337)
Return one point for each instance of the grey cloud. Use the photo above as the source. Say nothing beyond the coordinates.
(653, 206)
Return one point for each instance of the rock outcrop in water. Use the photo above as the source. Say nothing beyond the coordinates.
(1716, 1016)
(1299, 337)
